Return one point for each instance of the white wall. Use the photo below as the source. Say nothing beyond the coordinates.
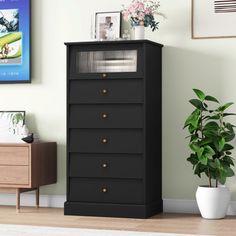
(205, 64)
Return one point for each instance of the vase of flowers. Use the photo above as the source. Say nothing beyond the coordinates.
(141, 13)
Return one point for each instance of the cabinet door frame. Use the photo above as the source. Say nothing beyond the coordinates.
(73, 74)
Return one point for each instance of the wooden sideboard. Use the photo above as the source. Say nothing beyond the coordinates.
(25, 167)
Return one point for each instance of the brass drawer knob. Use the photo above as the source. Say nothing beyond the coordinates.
(104, 140)
(104, 116)
(104, 190)
(104, 91)
(104, 75)
(104, 165)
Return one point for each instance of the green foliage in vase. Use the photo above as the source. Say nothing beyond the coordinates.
(210, 137)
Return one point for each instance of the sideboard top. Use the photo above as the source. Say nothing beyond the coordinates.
(113, 42)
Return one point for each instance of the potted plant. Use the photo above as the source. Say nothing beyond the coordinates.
(211, 152)
(141, 14)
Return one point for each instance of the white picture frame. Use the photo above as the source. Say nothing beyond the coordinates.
(107, 25)
(213, 19)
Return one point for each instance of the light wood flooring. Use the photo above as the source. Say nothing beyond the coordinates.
(169, 223)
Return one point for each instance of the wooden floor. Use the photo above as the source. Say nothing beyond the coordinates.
(169, 223)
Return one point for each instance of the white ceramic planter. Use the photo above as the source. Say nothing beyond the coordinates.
(139, 32)
(213, 202)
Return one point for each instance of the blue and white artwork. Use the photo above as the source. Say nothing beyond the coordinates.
(14, 41)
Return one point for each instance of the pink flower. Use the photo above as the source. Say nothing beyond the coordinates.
(141, 15)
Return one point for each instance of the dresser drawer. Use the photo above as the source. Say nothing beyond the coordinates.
(109, 191)
(109, 91)
(106, 116)
(14, 155)
(106, 141)
(14, 175)
(106, 165)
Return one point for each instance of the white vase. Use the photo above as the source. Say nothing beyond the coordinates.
(213, 202)
(139, 32)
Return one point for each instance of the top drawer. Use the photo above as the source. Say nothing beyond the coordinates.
(14, 156)
(106, 62)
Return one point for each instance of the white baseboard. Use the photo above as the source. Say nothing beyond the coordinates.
(56, 201)
(189, 206)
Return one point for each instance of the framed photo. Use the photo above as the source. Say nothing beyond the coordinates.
(108, 25)
(15, 41)
(11, 126)
(213, 18)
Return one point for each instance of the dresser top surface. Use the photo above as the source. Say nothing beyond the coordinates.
(114, 42)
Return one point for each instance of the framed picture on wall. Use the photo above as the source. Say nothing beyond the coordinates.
(15, 41)
(107, 25)
(213, 18)
(11, 126)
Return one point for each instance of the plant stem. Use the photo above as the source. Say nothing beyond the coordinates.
(216, 183)
(209, 177)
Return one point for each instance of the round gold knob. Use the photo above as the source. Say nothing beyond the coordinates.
(104, 75)
(104, 140)
(104, 190)
(104, 91)
(104, 165)
(104, 116)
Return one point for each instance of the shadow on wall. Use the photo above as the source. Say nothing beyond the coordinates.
(183, 70)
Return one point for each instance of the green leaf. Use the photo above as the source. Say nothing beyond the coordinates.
(217, 162)
(227, 147)
(204, 141)
(225, 106)
(193, 159)
(200, 152)
(229, 172)
(212, 164)
(194, 147)
(193, 119)
(203, 160)
(228, 160)
(212, 125)
(200, 94)
(209, 150)
(210, 98)
(221, 144)
(197, 103)
(222, 179)
(229, 114)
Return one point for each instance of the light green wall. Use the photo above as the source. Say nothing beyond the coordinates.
(205, 64)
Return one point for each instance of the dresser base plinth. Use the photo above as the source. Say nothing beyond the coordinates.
(113, 210)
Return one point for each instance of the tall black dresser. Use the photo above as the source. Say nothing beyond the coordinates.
(114, 128)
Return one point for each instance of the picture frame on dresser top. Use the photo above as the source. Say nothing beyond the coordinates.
(108, 25)
(104, 138)
(15, 41)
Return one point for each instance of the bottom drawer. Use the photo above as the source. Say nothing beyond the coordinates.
(15, 175)
(109, 191)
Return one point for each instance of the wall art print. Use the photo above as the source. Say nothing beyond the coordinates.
(213, 18)
(14, 41)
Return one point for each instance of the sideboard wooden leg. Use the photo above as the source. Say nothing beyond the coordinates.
(18, 200)
(37, 197)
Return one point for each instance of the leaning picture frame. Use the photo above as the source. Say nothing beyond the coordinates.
(213, 19)
(108, 25)
(11, 126)
(15, 41)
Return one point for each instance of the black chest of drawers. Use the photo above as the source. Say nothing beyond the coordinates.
(114, 128)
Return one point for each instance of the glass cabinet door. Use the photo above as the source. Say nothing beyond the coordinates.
(106, 61)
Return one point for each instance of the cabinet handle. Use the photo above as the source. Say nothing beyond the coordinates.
(104, 91)
(104, 140)
(104, 75)
(104, 190)
(104, 165)
(104, 116)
